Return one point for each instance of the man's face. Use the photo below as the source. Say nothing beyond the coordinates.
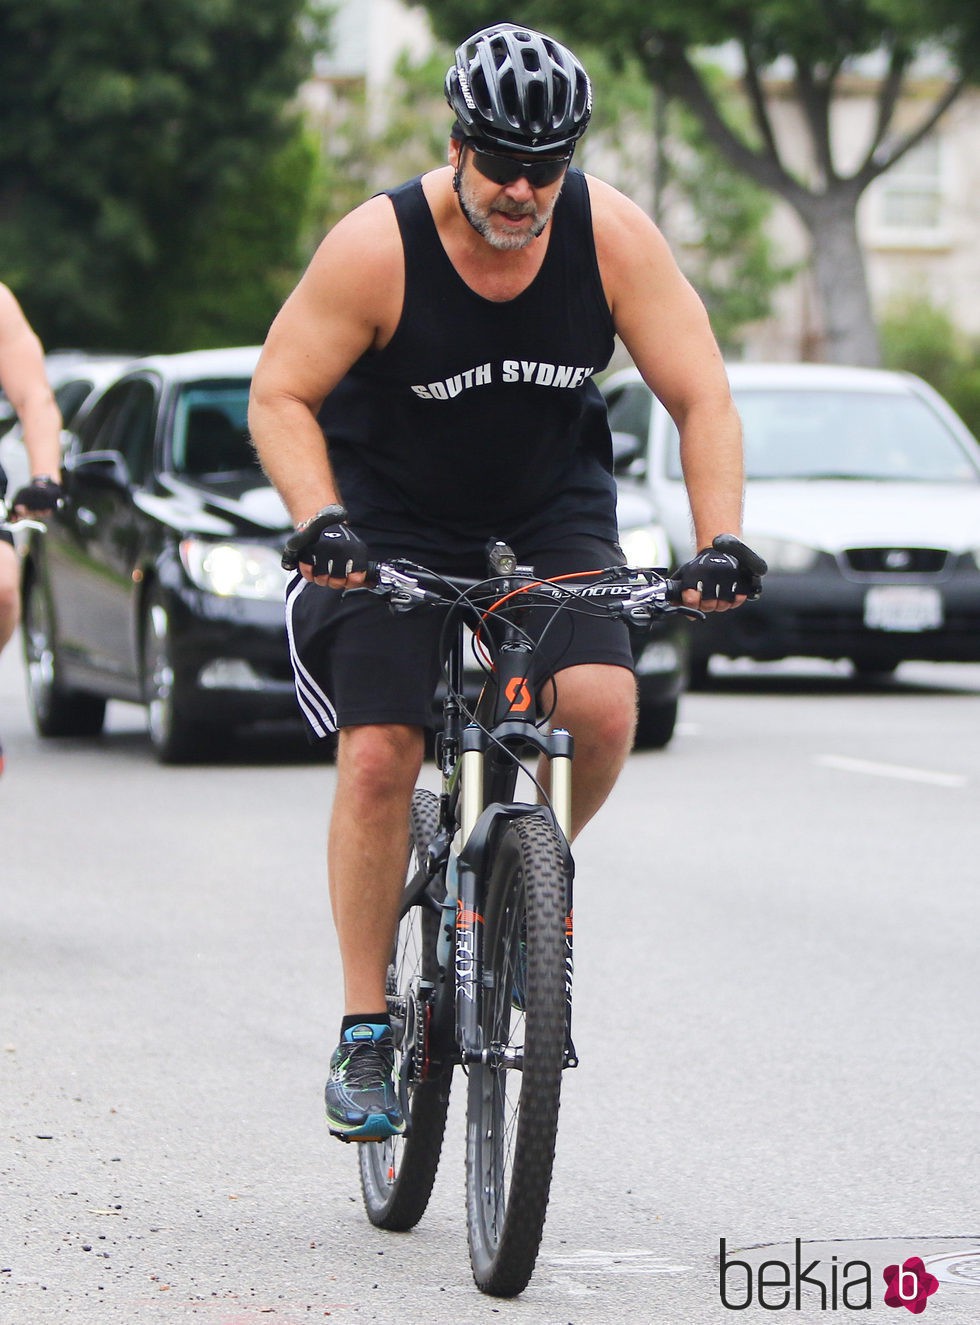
(508, 215)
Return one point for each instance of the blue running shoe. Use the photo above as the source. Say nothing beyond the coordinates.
(361, 1097)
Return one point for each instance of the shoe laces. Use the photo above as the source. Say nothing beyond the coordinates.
(369, 1064)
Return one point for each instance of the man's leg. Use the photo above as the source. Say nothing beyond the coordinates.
(597, 704)
(9, 592)
(377, 768)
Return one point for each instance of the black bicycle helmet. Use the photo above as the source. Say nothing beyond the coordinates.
(519, 90)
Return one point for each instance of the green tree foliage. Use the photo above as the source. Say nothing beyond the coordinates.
(152, 185)
(820, 45)
(733, 264)
(405, 136)
(920, 338)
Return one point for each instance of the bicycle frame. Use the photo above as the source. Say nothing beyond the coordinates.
(480, 765)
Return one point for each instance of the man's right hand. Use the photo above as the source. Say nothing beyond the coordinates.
(326, 551)
(39, 497)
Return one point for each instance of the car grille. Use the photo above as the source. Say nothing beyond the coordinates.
(896, 560)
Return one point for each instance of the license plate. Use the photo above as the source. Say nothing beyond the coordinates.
(907, 607)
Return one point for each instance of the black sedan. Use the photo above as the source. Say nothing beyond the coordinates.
(158, 581)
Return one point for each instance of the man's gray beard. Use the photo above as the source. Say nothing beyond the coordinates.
(479, 219)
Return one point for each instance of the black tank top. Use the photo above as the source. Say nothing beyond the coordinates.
(481, 418)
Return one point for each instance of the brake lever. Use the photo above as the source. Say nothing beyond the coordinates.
(403, 591)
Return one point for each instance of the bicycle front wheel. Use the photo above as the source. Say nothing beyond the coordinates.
(512, 1103)
(397, 1174)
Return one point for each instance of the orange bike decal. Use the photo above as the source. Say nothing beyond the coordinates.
(568, 925)
(518, 693)
(464, 918)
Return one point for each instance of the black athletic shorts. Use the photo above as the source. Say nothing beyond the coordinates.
(356, 662)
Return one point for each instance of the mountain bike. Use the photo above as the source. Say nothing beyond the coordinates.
(480, 976)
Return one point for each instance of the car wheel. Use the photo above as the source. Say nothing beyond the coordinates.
(55, 709)
(697, 672)
(655, 725)
(867, 669)
(176, 738)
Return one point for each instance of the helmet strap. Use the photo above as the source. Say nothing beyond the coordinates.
(457, 181)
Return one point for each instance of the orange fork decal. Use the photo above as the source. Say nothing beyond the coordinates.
(518, 693)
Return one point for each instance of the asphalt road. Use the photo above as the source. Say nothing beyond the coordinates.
(776, 1014)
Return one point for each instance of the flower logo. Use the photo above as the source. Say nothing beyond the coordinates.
(909, 1285)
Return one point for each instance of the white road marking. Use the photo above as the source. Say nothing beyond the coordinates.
(846, 765)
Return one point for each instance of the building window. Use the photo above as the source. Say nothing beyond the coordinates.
(909, 200)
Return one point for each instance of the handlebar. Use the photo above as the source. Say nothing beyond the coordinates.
(22, 524)
(636, 595)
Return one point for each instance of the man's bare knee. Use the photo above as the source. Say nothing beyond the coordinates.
(380, 760)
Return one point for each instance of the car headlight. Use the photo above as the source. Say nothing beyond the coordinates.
(783, 554)
(645, 545)
(234, 570)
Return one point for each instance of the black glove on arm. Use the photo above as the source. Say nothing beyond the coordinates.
(338, 552)
(724, 570)
(41, 494)
(328, 544)
(713, 574)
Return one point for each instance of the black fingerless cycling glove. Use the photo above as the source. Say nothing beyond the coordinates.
(714, 574)
(328, 544)
(41, 494)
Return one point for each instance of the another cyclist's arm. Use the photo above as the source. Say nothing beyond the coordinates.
(24, 379)
(336, 312)
(665, 328)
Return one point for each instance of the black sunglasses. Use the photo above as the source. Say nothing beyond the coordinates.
(507, 169)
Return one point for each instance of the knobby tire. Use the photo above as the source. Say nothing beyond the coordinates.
(397, 1175)
(512, 1113)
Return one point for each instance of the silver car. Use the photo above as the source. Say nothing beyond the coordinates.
(862, 493)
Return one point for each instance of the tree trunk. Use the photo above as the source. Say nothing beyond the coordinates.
(848, 332)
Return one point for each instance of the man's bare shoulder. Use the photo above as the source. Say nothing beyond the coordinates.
(365, 241)
(617, 219)
(633, 255)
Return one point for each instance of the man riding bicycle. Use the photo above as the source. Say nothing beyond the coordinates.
(429, 384)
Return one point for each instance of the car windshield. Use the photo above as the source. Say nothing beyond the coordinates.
(210, 433)
(799, 434)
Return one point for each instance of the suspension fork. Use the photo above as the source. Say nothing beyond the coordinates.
(479, 828)
(515, 697)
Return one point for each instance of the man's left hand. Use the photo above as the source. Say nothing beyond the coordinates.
(716, 579)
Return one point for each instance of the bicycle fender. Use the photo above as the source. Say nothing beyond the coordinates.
(494, 818)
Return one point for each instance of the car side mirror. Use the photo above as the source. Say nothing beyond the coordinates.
(107, 467)
(628, 457)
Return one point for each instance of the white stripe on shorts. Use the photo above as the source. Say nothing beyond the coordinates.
(316, 706)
